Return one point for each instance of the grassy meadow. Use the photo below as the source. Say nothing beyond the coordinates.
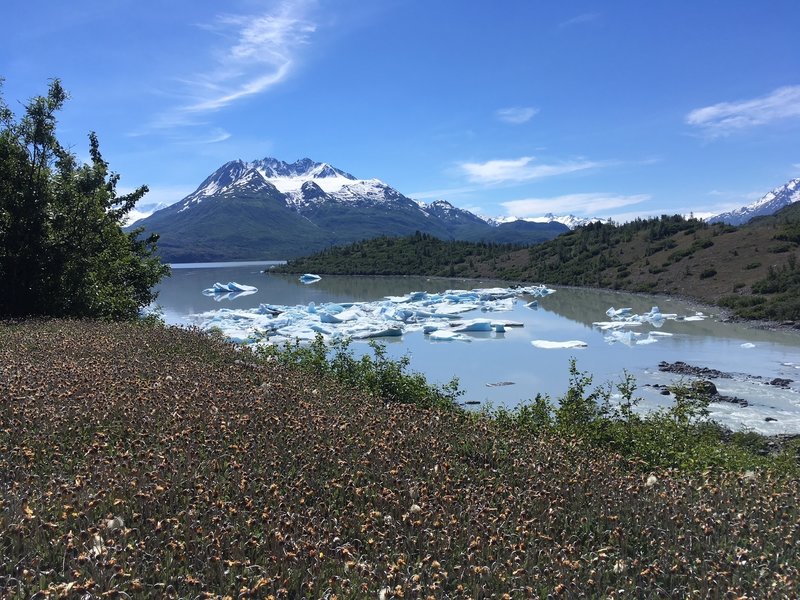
(141, 461)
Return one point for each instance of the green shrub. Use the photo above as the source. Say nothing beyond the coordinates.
(707, 273)
(377, 374)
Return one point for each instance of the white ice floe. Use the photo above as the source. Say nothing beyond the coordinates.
(441, 335)
(310, 278)
(230, 287)
(473, 325)
(622, 318)
(748, 345)
(439, 316)
(549, 345)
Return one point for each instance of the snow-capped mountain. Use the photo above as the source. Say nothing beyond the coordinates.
(272, 209)
(570, 221)
(770, 203)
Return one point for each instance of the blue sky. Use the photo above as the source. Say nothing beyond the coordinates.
(611, 109)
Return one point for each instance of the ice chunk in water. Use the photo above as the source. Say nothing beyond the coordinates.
(310, 278)
(448, 336)
(231, 286)
(474, 325)
(548, 345)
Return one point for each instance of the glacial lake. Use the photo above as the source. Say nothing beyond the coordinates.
(755, 357)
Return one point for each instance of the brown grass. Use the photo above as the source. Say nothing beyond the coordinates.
(142, 462)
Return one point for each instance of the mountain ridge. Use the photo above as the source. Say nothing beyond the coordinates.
(270, 209)
(768, 204)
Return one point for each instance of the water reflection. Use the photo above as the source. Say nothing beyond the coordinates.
(375, 288)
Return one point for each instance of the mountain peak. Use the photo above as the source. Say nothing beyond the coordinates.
(303, 168)
(768, 204)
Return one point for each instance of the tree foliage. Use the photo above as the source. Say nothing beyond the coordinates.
(62, 248)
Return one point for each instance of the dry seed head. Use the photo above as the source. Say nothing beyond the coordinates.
(115, 523)
(651, 481)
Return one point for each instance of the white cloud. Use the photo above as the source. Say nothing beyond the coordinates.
(579, 20)
(591, 204)
(516, 115)
(263, 53)
(726, 117)
(520, 169)
(796, 167)
(159, 196)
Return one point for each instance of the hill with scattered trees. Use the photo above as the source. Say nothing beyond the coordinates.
(750, 269)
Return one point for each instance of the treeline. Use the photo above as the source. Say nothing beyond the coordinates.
(418, 254)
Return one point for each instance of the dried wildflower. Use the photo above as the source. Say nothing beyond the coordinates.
(115, 523)
(284, 494)
(651, 481)
(98, 546)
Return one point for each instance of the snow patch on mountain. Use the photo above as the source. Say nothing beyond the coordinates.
(769, 204)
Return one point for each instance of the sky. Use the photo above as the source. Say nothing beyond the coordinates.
(610, 109)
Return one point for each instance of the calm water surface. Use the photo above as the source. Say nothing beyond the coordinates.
(566, 315)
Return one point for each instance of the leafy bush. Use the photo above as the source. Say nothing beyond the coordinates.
(679, 436)
(377, 374)
(62, 248)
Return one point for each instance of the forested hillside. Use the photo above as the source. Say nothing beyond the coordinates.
(751, 269)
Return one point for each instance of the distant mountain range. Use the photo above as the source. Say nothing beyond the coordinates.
(570, 221)
(769, 204)
(270, 209)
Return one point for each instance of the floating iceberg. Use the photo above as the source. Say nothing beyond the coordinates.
(618, 312)
(549, 345)
(474, 325)
(748, 345)
(439, 316)
(442, 335)
(624, 317)
(310, 278)
(230, 288)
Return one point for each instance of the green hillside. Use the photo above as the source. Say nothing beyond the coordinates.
(751, 269)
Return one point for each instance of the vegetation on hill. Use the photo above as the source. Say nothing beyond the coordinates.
(62, 248)
(419, 254)
(143, 462)
(751, 269)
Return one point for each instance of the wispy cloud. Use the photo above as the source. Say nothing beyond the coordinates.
(727, 117)
(591, 204)
(579, 20)
(520, 169)
(516, 115)
(796, 167)
(262, 51)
